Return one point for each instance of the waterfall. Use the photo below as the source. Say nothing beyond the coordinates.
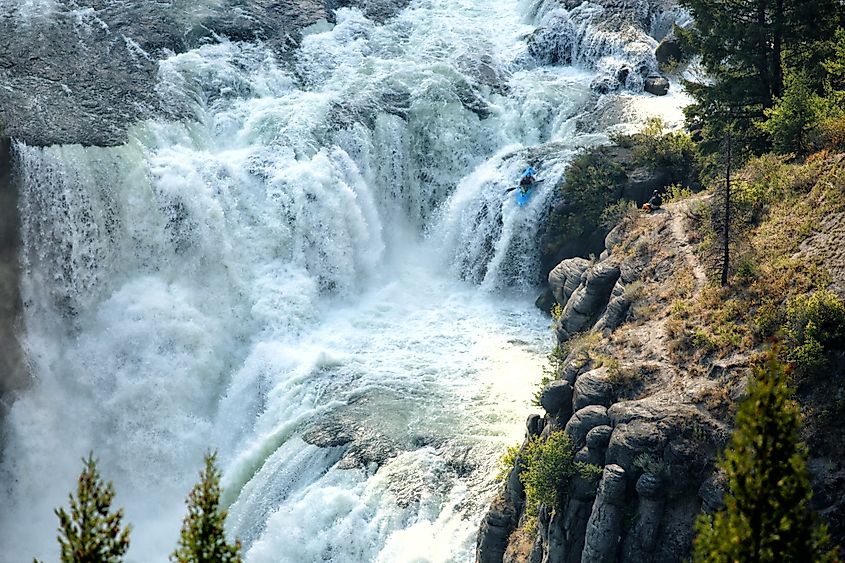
(321, 275)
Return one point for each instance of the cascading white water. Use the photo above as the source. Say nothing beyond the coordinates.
(292, 280)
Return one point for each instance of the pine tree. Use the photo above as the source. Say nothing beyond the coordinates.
(746, 46)
(766, 516)
(203, 538)
(91, 532)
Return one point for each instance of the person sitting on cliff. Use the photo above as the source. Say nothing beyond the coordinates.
(654, 203)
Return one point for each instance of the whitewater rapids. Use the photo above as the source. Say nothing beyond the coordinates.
(319, 276)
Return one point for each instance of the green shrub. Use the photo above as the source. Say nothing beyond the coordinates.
(618, 212)
(815, 324)
(547, 468)
(675, 152)
(796, 115)
(507, 463)
(676, 192)
(593, 181)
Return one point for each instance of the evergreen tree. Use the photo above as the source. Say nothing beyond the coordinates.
(203, 539)
(745, 46)
(766, 515)
(91, 532)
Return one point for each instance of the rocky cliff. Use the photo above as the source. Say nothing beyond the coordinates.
(82, 71)
(652, 360)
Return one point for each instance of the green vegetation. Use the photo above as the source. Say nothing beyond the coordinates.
(92, 532)
(777, 205)
(593, 182)
(766, 515)
(674, 153)
(776, 70)
(203, 539)
(547, 467)
(814, 325)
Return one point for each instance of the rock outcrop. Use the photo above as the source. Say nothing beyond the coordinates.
(84, 70)
(645, 426)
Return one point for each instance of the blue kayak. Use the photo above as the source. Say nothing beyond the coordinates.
(522, 197)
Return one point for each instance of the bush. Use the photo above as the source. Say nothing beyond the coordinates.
(618, 212)
(674, 152)
(592, 183)
(815, 324)
(547, 468)
(793, 120)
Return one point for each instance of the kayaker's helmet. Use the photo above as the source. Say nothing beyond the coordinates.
(528, 171)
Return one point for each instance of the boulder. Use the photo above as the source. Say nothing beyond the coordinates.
(496, 527)
(593, 388)
(668, 50)
(534, 425)
(594, 451)
(642, 538)
(589, 301)
(617, 309)
(585, 420)
(565, 278)
(599, 437)
(632, 439)
(657, 85)
(556, 398)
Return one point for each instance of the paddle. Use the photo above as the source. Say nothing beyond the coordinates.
(509, 190)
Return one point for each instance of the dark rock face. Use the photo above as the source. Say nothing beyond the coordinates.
(556, 398)
(565, 278)
(496, 527)
(585, 420)
(604, 529)
(656, 85)
(13, 372)
(85, 71)
(668, 50)
(593, 388)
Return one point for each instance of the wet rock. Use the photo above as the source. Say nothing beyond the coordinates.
(85, 70)
(656, 85)
(593, 388)
(556, 398)
(546, 301)
(585, 420)
(496, 527)
(668, 50)
(605, 526)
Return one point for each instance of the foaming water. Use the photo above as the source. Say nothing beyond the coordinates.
(323, 277)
